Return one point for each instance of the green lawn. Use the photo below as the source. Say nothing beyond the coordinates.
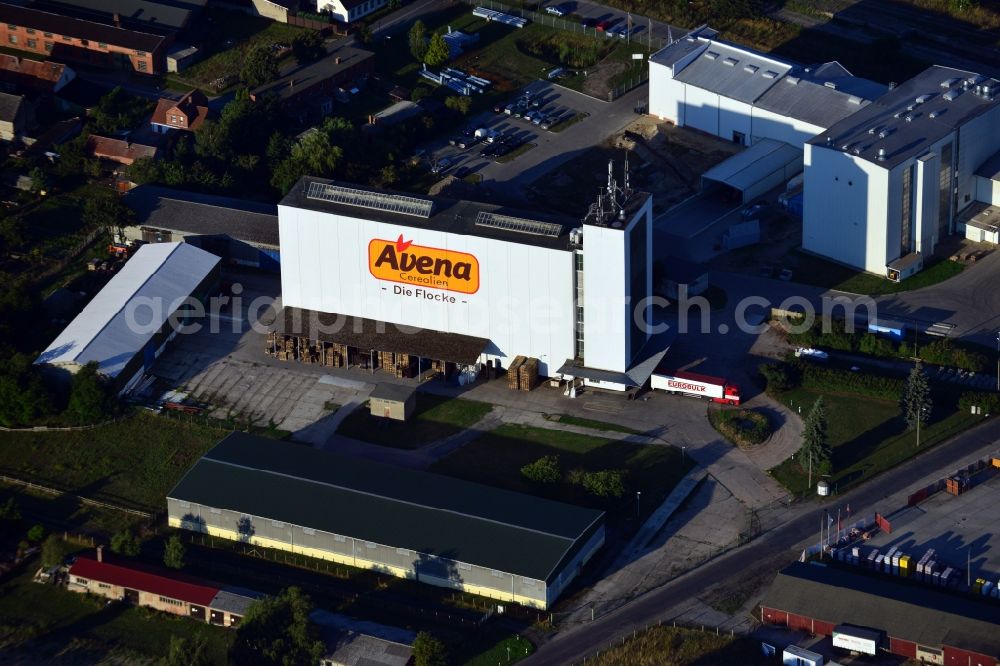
(54, 225)
(235, 35)
(569, 122)
(868, 436)
(134, 461)
(506, 651)
(591, 423)
(830, 275)
(435, 418)
(497, 457)
(514, 154)
(43, 623)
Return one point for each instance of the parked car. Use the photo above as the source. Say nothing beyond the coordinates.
(538, 118)
(499, 108)
(489, 150)
(442, 165)
(602, 26)
(509, 109)
(467, 142)
(555, 10)
(462, 172)
(588, 22)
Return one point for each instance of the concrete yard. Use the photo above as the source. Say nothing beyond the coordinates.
(955, 527)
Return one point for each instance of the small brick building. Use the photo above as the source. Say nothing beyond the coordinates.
(168, 592)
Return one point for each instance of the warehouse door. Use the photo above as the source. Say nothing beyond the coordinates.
(198, 612)
(132, 596)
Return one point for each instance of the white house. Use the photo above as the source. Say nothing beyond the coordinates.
(347, 11)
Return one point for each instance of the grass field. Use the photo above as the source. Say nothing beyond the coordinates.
(868, 436)
(46, 624)
(506, 651)
(235, 34)
(668, 646)
(435, 418)
(590, 423)
(134, 461)
(497, 457)
(830, 275)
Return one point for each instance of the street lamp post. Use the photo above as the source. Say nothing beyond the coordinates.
(683, 449)
(998, 361)
(638, 493)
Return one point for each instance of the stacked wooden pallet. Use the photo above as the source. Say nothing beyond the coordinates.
(513, 373)
(527, 374)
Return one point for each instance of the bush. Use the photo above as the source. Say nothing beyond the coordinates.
(543, 470)
(36, 533)
(820, 378)
(567, 49)
(744, 427)
(173, 552)
(606, 483)
(54, 551)
(778, 377)
(989, 403)
(125, 543)
(90, 400)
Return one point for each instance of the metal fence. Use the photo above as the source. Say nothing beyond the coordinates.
(637, 632)
(645, 38)
(48, 490)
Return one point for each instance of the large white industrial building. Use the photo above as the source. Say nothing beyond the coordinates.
(471, 284)
(885, 185)
(887, 173)
(740, 95)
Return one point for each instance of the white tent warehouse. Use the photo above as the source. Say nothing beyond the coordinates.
(763, 166)
(128, 323)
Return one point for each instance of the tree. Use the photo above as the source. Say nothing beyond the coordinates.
(9, 510)
(90, 400)
(437, 51)
(104, 208)
(36, 533)
(364, 34)
(173, 552)
(144, 170)
(23, 395)
(916, 399)
(125, 543)
(54, 551)
(39, 180)
(118, 110)
(187, 653)
(461, 104)
(544, 470)
(276, 630)
(316, 154)
(428, 651)
(777, 376)
(814, 450)
(259, 67)
(418, 40)
(307, 46)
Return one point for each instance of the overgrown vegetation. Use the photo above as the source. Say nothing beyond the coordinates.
(743, 427)
(669, 646)
(567, 48)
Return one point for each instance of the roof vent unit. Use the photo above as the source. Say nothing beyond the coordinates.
(830, 84)
(732, 62)
(909, 117)
(794, 80)
(857, 150)
(987, 91)
(829, 140)
(897, 114)
(886, 131)
(751, 68)
(881, 154)
(770, 74)
(948, 83)
(711, 55)
(855, 100)
(950, 95)
(911, 107)
(873, 130)
(576, 236)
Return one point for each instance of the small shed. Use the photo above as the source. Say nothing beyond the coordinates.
(393, 401)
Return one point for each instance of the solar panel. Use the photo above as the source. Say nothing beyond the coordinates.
(393, 203)
(518, 224)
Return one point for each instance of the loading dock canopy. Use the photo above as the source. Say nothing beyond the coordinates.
(371, 335)
(761, 167)
(856, 639)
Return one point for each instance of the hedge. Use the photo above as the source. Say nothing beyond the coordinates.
(743, 427)
(938, 352)
(820, 378)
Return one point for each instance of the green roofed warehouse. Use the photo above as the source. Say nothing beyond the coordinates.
(412, 524)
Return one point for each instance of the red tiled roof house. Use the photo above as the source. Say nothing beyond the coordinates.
(187, 113)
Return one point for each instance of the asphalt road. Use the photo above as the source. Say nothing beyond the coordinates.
(573, 645)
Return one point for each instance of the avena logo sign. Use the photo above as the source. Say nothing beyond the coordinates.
(421, 266)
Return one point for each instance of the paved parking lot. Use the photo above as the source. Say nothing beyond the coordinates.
(551, 149)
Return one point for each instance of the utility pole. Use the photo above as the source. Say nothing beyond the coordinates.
(649, 38)
(920, 417)
(810, 470)
(998, 361)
